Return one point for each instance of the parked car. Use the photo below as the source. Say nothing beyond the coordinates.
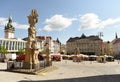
(110, 58)
(92, 58)
(20, 57)
(40, 57)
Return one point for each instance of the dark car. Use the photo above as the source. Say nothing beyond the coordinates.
(110, 59)
(40, 57)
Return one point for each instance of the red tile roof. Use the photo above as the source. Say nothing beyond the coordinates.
(44, 37)
(116, 41)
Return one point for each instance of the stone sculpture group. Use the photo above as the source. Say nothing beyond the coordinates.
(31, 51)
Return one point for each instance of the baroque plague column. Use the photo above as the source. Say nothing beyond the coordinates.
(31, 51)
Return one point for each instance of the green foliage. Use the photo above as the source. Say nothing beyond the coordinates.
(43, 52)
(21, 51)
(3, 50)
(62, 53)
(101, 54)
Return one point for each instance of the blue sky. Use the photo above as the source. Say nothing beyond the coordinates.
(63, 18)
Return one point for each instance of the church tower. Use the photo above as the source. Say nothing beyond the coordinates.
(116, 37)
(9, 29)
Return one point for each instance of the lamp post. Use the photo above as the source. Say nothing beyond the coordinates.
(100, 34)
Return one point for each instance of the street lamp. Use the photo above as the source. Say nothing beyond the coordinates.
(100, 34)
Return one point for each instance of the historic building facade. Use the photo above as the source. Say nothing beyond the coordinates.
(91, 45)
(116, 46)
(108, 48)
(13, 44)
(9, 42)
(42, 41)
(54, 45)
(9, 29)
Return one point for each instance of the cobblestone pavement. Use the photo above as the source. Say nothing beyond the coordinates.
(68, 71)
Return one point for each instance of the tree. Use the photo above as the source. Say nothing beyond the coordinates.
(3, 50)
(62, 52)
(21, 51)
(43, 52)
(101, 54)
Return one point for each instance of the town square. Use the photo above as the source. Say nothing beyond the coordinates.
(59, 41)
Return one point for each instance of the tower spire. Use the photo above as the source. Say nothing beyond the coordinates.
(58, 40)
(9, 29)
(10, 19)
(116, 35)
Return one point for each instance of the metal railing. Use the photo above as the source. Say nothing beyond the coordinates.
(19, 64)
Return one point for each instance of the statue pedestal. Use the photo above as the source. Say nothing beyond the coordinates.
(31, 59)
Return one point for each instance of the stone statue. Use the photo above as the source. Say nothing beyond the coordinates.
(32, 20)
(34, 45)
(31, 51)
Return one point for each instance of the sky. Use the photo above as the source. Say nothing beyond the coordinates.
(63, 19)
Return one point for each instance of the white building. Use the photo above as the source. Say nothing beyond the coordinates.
(54, 45)
(9, 42)
(12, 45)
(42, 40)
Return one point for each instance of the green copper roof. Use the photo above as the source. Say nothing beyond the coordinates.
(10, 19)
(9, 24)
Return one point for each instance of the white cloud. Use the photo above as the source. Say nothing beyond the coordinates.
(110, 21)
(57, 23)
(20, 26)
(92, 21)
(89, 20)
(4, 21)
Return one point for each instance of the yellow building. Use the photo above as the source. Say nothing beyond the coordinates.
(91, 45)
